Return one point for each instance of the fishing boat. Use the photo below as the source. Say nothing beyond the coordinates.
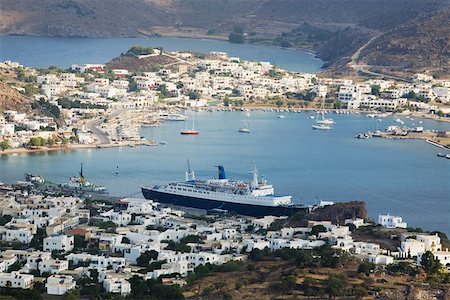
(77, 185)
(191, 131)
(281, 117)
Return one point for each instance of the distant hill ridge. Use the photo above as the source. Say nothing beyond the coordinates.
(333, 28)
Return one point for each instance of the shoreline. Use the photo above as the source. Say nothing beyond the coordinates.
(72, 147)
(17, 151)
(181, 35)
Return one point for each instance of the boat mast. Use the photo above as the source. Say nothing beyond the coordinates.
(189, 173)
(81, 173)
(254, 184)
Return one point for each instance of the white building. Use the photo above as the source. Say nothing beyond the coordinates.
(389, 221)
(59, 284)
(59, 243)
(53, 266)
(117, 286)
(381, 259)
(16, 280)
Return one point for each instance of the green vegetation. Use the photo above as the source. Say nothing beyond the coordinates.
(38, 239)
(366, 268)
(5, 219)
(181, 247)
(305, 96)
(323, 256)
(139, 50)
(103, 224)
(4, 145)
(305, 36)
(146, 257)
(237, 35)
(375, 90)
(336, 284)
(41, 142)
(430, 264)
(413, 96)
(153, 290)
(315, 230)
(66, 103)
(403, 268)
(47, 108)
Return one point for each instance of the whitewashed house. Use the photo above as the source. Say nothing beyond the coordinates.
(16, 280)
(389, 221)
(59, 284)
(59, 243)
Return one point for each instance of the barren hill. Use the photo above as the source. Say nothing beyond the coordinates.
(335, 29)
(422, 44)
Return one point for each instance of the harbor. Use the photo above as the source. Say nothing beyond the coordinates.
(309, 159)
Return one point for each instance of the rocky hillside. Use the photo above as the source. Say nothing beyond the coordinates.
(332, 28)
(11, 99)
(134, 64)
(422, 44)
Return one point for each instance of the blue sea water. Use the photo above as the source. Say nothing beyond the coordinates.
(395, 176)
(43, 52)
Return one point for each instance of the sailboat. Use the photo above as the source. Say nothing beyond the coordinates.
(323, 120)
(246, 128)
(192, 131)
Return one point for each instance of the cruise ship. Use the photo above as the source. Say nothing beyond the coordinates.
(253, 199)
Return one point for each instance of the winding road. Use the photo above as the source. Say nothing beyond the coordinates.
(363, 68)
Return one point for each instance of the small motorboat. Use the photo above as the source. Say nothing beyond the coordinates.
(321, 127)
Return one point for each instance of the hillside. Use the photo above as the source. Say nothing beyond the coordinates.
(419, 45)
(11, 98)
(335, 29)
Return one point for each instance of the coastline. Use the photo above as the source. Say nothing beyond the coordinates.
(70, 148)
(426, 138)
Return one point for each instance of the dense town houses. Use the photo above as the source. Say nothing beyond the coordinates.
(122, 240)
(92, 91)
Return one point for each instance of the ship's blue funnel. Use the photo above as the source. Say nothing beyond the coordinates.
(221, 172)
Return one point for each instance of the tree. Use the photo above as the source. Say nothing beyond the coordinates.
(226, 101)
(5, 219)
(4, 145)
(336, 284)
(237, 38)
(430, 264)
(38, 239)
(146, 257)
(51, 141)
(79, 242)
(375, 90)
(72, 295)
(279, 103)
(315, 230)
(366, 267)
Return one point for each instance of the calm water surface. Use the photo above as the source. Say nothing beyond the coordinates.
(399, 177)
(45, 51)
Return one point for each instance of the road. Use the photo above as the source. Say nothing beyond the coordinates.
(362, 68)
(101, 136)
